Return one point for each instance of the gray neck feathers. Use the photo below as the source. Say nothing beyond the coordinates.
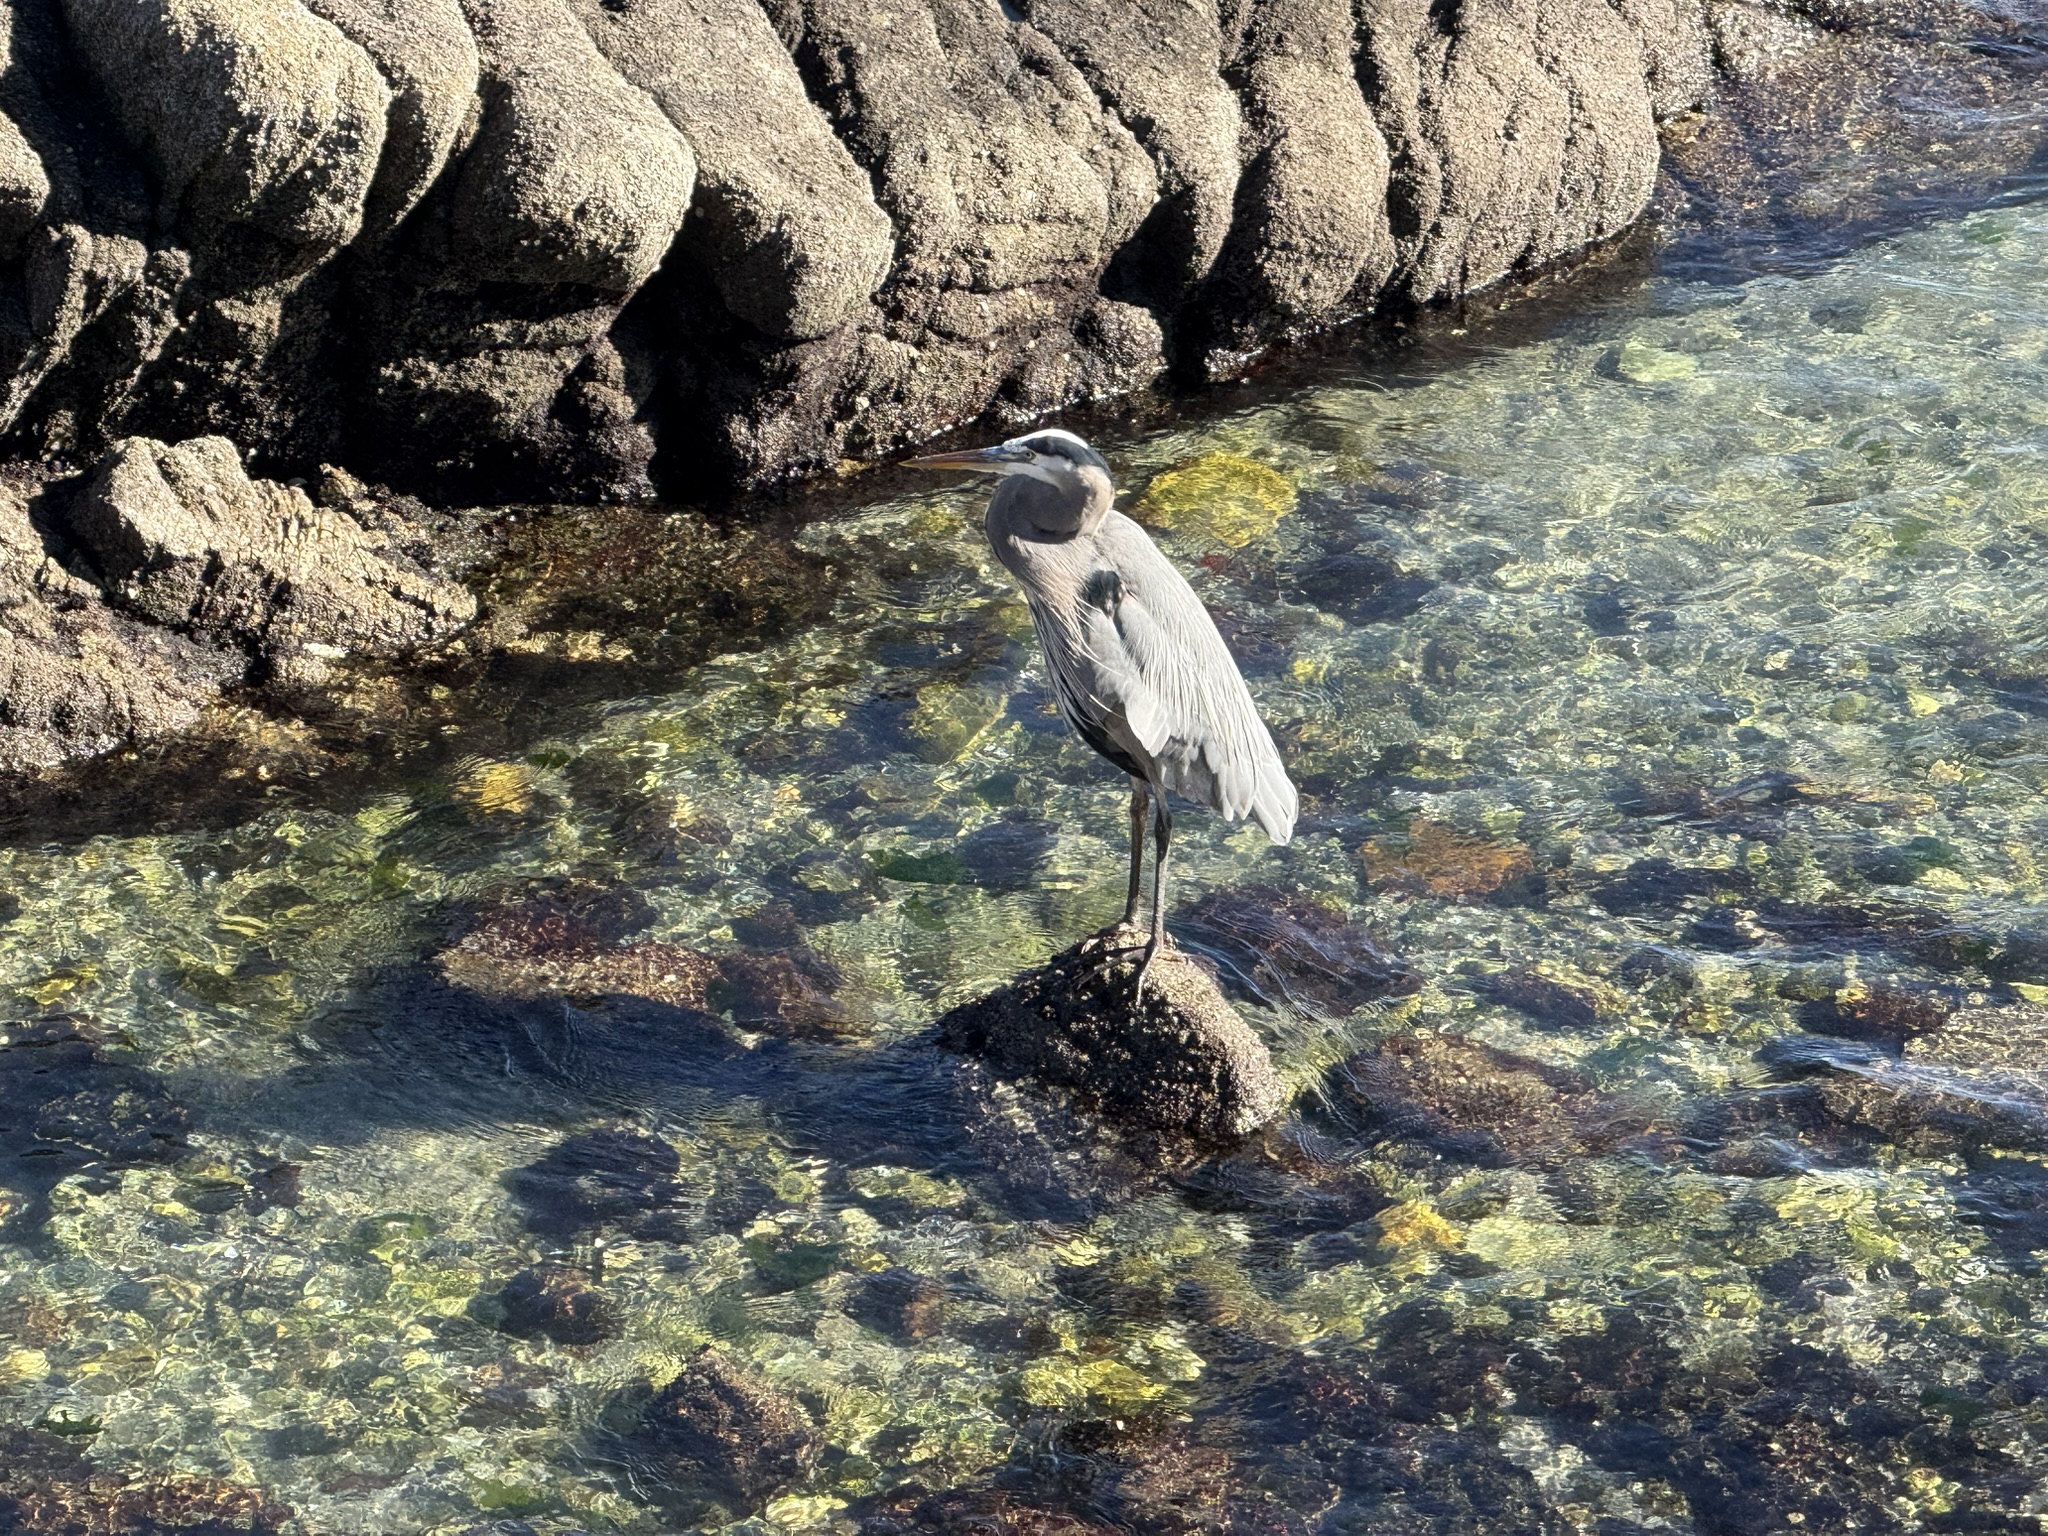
(1029, 509)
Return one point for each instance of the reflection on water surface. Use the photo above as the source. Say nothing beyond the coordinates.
(1667, 696)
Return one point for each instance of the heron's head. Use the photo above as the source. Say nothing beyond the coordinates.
(1058, 458)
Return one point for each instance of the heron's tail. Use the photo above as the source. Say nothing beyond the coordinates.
(1274, 802)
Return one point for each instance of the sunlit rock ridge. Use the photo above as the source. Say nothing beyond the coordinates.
(488, 249)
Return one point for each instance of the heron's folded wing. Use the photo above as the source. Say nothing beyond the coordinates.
(1156, 654)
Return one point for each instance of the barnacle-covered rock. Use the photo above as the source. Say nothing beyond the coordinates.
(1182, 1062)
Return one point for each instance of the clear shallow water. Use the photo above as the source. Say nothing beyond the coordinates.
(1660, 691)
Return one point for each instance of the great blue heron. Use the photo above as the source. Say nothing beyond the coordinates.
(1136, 662)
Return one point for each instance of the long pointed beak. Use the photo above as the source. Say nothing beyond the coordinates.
(970, 458)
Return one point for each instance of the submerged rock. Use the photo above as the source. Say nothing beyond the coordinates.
(47, 1485)
(1431, 859)
(1893, 1012)
(558, 1302)
(1565, 1004)
(1474, 1101)
(612, 1177)
(1182, 1063)
(76, 1109)
(983, 1510)
(1221, 497)
(565, 943)
(789, 995)
(900, 1303)
(1360, 587)
(661, 973)
(1280, 942)
(718, 1429)
(1981, 1079)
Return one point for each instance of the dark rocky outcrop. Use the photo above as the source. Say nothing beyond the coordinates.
(1180, 1064)
(494, 247)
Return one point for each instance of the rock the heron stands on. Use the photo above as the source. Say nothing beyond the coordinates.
(1144, 678)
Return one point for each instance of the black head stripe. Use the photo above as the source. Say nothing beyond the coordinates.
(1064, 448)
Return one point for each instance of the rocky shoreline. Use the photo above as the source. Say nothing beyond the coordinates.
(574, 249)
(137, 594)
(584, 249)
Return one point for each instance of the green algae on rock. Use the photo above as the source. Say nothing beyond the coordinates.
(1222, 497)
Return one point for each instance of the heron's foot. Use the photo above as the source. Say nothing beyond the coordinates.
(1122, 939)
(1152, 947)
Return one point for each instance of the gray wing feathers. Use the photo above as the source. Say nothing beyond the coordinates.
(1157, 656)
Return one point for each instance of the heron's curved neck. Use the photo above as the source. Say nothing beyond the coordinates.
(1030, 509)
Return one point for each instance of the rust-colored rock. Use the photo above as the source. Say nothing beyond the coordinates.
(1436, 860)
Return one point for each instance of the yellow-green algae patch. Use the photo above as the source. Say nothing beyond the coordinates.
(1223, 497)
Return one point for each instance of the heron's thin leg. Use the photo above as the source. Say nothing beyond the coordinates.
(1140, 796)
(1162, 836)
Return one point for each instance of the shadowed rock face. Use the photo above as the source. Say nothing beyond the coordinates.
(508, 248)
